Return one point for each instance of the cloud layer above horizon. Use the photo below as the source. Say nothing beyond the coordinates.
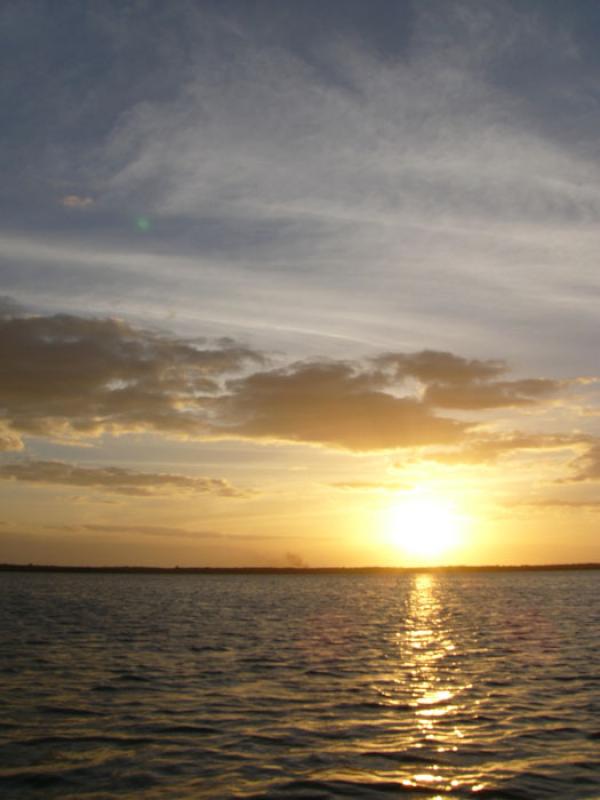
(74, 378)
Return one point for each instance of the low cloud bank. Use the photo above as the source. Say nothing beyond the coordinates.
(68, 377)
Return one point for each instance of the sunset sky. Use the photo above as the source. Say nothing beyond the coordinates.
(290, 283)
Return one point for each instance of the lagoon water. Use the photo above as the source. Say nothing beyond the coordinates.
(303, 686)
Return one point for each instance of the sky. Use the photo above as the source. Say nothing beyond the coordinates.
(299, 283)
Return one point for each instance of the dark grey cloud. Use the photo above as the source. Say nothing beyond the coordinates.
(117, 480)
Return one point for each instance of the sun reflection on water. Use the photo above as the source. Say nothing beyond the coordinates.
(436, 690)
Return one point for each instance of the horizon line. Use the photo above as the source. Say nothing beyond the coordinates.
(293, 570)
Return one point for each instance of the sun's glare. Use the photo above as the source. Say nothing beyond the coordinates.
(425, 525)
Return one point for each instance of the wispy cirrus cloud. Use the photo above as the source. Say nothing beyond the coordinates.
(399, 170)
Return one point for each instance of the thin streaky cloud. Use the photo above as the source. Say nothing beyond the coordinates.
(117, 480)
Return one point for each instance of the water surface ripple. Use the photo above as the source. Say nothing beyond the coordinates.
(307, 686)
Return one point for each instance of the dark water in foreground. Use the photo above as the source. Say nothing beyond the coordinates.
(479, 685)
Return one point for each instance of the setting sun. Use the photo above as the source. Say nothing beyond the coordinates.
(425, 525)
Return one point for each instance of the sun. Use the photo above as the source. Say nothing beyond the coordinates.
(424, 525)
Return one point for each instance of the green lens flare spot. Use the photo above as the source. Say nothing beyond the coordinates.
(142, 223)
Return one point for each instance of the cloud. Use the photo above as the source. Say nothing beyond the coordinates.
(68, 376)
(150, 530)
(330, 403)
(495, 394)
(167, 531)
(9, 307)
(451, 381)
(560, 504)
(75, 201)
(433, 366)
(116, 479)
(369, 486)
(482, 449)
(290, 154)
(586, 467)
(442, 146)
(370, 406)
(9, 440)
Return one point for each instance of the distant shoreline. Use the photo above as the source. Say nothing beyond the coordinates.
(295, 570)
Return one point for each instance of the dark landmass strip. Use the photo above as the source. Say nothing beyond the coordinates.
(294, 570)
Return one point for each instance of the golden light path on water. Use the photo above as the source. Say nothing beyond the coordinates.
(436, 690)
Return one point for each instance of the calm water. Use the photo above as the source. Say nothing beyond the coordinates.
(482, 685)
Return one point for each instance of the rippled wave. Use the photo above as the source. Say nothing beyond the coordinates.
(253, 686)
